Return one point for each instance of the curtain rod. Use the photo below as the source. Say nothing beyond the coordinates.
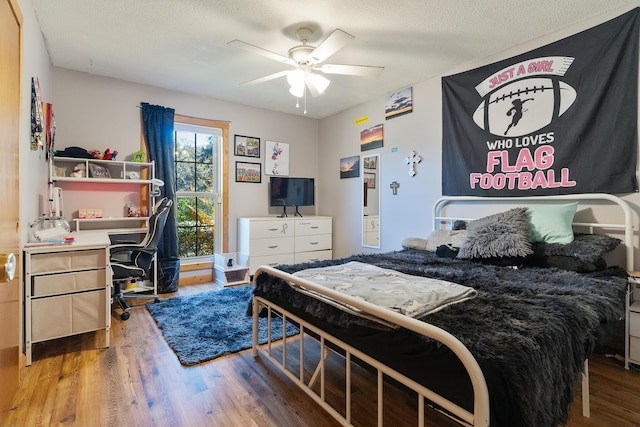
(197, 118)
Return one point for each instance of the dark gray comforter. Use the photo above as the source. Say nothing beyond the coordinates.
(529, 328)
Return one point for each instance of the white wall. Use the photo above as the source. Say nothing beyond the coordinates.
(96, 112)
(408, 214)
(33, 166)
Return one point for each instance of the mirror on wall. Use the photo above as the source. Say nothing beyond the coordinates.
(371, 200)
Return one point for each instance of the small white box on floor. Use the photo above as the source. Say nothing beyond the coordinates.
(229, 270)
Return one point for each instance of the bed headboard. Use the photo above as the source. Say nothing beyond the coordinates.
(623, 222)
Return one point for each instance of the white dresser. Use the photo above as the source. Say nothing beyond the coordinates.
(272, 240)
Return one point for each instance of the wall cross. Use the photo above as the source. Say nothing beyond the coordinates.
(412, 161)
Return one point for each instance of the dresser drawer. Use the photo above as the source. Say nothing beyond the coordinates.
(275, 246)
(55, 284)
(270, 260)
(312, 226)
(313, 256)
(65, 261)
(313, 243)
(270, 229)
(371, 223)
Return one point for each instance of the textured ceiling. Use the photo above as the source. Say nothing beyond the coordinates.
(182, 44)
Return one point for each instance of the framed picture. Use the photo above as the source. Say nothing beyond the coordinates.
(398, 103)
(370, 179)
(276, 158)
(247, 146)
(350, 167)
(98, 171)
(371, 138)
(249, 172)
(370, 162)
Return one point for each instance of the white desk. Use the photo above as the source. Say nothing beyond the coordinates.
(67, 289)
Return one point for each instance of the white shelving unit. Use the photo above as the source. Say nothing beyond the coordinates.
(106, 185)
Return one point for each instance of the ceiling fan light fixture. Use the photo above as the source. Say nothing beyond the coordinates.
(297, 91)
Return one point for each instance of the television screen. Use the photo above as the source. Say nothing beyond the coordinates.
(287, 191)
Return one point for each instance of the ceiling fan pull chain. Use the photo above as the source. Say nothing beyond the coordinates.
(305, 100)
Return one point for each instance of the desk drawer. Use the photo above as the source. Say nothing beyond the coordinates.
(313, 243)
(66, 261)
(65, 315)
(634, 324)
(305, 227)
(55, 284)
(262, 247)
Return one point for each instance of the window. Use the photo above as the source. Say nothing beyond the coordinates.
(198, 187)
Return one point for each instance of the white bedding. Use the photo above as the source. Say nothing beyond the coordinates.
(412, 296)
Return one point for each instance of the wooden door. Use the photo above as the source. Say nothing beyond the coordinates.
(10, 62)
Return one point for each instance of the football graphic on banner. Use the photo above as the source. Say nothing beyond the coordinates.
(503, 112)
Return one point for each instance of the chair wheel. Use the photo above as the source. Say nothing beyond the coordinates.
(125, 315)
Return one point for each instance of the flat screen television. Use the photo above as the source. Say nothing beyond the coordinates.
(288, 191)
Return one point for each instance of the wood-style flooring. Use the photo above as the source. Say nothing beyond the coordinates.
(138, 381)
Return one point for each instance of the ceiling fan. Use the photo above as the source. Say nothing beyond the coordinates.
(307, 60)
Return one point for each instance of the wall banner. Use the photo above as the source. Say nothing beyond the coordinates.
(560, 119)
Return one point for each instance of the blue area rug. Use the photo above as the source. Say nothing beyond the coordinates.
(204, 326)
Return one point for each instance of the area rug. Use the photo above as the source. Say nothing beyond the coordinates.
(205, 326)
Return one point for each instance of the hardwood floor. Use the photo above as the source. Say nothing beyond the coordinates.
(138, 381)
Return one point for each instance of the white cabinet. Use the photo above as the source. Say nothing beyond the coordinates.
(67, 289)
(273, 241)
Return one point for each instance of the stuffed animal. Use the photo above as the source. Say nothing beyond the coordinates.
(79, 171)
(104, 155)
(97, 154)
(109, 155)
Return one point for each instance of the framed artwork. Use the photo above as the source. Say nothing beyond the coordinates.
(276, 158)
(398, 103)
(371, 138)
(350, 167)
(247, 146)
(98, 171)
(370, 180)
(249, 172)
(370, 162)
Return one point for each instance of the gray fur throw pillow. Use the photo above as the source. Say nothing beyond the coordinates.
(505, 234)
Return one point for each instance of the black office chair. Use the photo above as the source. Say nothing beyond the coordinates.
(132, 262)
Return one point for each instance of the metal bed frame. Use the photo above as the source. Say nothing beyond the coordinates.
(480, 414)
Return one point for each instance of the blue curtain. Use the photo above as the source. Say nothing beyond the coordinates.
(157, 123)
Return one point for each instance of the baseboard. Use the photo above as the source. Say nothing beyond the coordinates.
(196, 273)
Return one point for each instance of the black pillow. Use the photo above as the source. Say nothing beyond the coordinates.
(585, 247)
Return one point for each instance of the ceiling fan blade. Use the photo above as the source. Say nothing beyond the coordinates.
(351, 70)
(316, 83)
(336, 41)
(260, 51)
(265, 78)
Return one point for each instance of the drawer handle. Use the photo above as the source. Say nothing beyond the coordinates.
(273, 247)
(272, 229)
(314, 226)
(314, 243)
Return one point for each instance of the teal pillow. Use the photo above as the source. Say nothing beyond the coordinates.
(551, 223)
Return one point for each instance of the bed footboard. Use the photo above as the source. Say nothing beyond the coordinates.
(480, 414)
